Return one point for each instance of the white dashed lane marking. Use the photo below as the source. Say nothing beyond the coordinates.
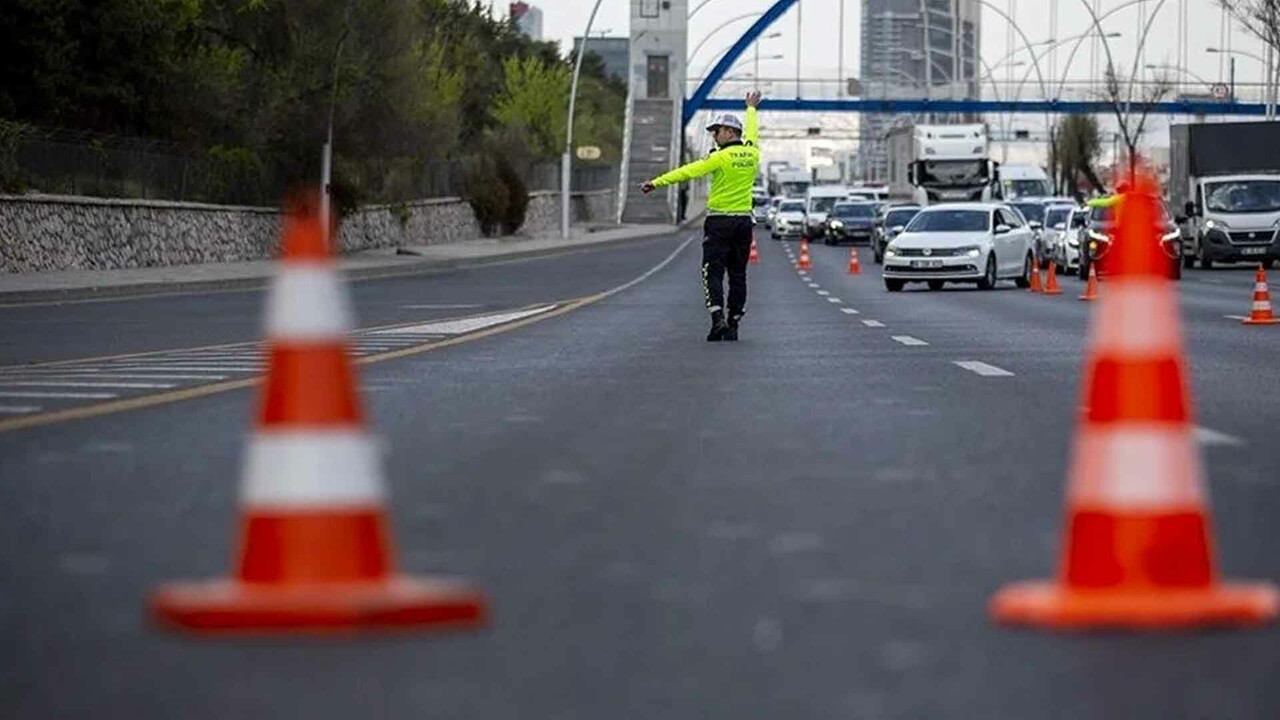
(77, 384)
(834, 300)
(18, 409)
(848, 311)
(57, 396)
(910, 341)
(824, 292)
(873, 323)
(1207, 436)
(983, 369)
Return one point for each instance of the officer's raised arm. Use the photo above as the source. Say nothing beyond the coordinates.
(751, 133)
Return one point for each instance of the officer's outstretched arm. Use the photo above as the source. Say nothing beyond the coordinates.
(692, 171)
(751, 133)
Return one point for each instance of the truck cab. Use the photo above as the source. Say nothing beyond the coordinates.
(942, 163)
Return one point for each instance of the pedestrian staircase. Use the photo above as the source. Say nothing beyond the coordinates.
(648, 154)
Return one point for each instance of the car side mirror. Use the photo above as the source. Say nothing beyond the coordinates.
(1035, 225)
(1059, 226)
(897, 229)
(1003, 229)
(1179, 219)
(1190, 209)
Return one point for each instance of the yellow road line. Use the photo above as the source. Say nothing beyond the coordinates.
(173, 396)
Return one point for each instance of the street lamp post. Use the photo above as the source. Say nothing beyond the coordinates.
(566, 160)
(326, 153)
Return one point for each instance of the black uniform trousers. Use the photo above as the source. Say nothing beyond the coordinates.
(726, 246)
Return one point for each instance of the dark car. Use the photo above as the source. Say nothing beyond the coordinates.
(889, 223)
(1099, 238)
(851, 222)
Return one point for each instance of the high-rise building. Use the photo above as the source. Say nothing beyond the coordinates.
(914, 49)
(528, 18)
(614, 51)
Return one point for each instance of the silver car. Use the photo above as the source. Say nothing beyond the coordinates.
(789, 221)
(981, 243)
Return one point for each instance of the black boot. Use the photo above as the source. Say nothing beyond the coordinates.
(718, 327)
(731, 334)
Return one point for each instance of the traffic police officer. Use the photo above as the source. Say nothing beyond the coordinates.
(727, 232)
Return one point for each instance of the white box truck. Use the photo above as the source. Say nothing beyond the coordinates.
(1224, 178)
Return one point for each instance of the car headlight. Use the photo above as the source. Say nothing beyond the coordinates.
(972, 251)
(890, 251)
(1215, 224)
(1097, 237)
(836, 225)
(1073, 242)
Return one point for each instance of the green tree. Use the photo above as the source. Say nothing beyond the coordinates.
(534, 99)
(1077, 144)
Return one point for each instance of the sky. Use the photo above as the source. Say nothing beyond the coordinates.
(820, 53)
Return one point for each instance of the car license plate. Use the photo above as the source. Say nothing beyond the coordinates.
(926, 263)
(1253, 251)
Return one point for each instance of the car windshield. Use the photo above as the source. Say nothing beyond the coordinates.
(1243, 196)
(854, 210)
(822, 204)
(1055, 215)
(950, 221)
(1033, 212)
(792, 207)
(900, 217)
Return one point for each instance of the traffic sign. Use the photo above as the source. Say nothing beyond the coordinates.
(1220, 91)
(588, 152)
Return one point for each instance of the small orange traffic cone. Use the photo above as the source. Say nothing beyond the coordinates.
(1091, 287)
(1138, 548)
(1051, 287)
(804, 263)
(855, 267)
(754, 256)
(1035, 276)
(315, 549)
(1261, 312)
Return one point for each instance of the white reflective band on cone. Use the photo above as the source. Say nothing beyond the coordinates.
(312, 469)
(1260, 287)
(307, 302)
(1137, 466)
(1262, 305)
(1136, 318)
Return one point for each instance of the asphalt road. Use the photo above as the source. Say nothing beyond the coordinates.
(804, 524)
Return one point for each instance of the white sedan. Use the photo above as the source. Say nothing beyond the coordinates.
(789, 221)
(963, 242)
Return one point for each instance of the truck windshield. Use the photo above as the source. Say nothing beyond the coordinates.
(1025, 188)
(950, 221)
(1243, 196)
(953, 173)
(794, 189)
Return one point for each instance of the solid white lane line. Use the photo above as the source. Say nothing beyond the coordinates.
(873, 323)
(439, 307)
(1207, 436)
(191, 368)
(1235, 317)
(908, 340)
(76, 384)
(95, 375)
(18, 409)
(834, 300)
(53, 395)
(465, 325)
(983, 369)
(848, 311)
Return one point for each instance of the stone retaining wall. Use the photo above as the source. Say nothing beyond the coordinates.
(53, 232)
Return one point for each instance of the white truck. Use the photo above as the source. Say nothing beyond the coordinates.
(934, 164)
(1225, 179)
(791, 182)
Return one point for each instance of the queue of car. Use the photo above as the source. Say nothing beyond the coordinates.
(979, 243)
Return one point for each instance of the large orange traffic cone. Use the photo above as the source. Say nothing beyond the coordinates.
(1139, 549)
(315, 550)
(754, 256)
(855, 267)
(1261, 312)
(1051, 286)
(1035, 276)
(804, 263)
(1091, 287)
